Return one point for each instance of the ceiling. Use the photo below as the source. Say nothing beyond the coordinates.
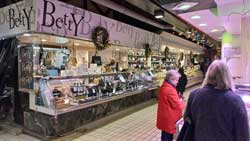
(207, 22)
(226, 17)
(200, 5)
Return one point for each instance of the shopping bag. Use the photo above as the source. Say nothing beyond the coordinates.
(187, 131)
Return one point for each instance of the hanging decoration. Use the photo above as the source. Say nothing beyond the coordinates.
(181, 56)
(191, 55)
(166, 52)
(148, 50)
(100, 37)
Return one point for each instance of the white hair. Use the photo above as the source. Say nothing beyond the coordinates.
(219, 76)
(172, 74)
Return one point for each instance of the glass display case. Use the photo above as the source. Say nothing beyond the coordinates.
(63, 92)
(57, 86)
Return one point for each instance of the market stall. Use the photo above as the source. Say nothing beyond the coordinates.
(73, 67)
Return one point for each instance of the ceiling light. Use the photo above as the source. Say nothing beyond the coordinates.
(195, 17)
(117, 49)
(202, 24)
(214, 30)
(159, 14)
(76, 44)
(185, 5)
(26, 34)
(43, 40)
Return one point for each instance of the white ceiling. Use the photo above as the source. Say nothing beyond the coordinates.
(228, 17)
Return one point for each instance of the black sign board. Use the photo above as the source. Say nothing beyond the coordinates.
(26, 67)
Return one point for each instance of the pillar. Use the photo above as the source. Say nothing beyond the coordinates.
(245, 49)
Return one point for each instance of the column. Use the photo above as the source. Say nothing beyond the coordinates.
(245, 49)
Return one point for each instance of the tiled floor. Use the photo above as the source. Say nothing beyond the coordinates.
(8, 133)
(139, 126)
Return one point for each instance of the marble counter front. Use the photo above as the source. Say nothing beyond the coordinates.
(53, 126)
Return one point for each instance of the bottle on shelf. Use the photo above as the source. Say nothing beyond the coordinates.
(80, 89)
(74, 89)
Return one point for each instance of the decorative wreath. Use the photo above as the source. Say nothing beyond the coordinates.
(100, 37)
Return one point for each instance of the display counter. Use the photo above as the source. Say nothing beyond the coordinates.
(63, 97)
(59, 108)
(194, 76)
(59, 95)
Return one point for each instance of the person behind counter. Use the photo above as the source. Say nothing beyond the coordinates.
(181, 85)
(169, 106)
(215, 111)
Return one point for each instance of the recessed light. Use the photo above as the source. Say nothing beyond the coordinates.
(185, 5)
(43, 40)
(158, 14)
(214, 30)
(195, 17)
(76, 44)
(202, 24)
(26, 34)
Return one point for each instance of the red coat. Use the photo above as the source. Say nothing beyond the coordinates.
(169, 108)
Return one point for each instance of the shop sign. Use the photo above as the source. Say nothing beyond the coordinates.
(17, 18)
(62, 19)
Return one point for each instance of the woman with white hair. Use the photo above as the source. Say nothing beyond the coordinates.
(169, 106)
(215, 112)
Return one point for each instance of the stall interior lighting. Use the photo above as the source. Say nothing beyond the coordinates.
(26, 34)
(45, 48)
(76, 44)
(44, 40)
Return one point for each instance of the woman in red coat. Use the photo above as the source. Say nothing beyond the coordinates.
(169, 106)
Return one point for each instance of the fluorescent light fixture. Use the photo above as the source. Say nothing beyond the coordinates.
(214, 30)
(203, 24)
(185, 5)
(76, 44)
(195, 17)
(26, 34)
(158, 14)
(44, 40)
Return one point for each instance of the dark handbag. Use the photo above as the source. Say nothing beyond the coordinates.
(187, 131)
